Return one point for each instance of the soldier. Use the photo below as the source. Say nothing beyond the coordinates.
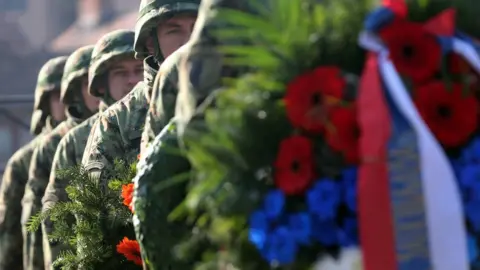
(79, 106)
(113, 73)
(162, 27)
(200, 72)
(47, 112)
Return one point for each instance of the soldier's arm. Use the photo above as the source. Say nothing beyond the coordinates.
(11, 193)
(162, 104)
(104, 146)
(38, 175)
(63, 159)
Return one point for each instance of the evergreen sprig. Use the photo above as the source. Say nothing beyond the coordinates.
(93, 221)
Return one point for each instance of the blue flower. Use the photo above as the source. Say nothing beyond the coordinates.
(280, 247)
(300, 226)
(274, 203)
(348, 235)
(325, 231)
(472, 152)
(472, 248)
(324, 198)
(469, 175)
(258, 229)
(349, 181)
(473, 215)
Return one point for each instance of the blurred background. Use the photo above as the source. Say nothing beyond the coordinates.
(31, 32)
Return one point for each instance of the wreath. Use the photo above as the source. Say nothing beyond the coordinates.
(294, 164)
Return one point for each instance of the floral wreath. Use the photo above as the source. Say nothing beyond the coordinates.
(294, 166)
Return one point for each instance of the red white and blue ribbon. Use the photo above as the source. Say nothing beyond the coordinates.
(410, 207)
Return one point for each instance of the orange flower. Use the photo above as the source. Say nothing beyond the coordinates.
(131, 250)
(127, 194)
(138, 156)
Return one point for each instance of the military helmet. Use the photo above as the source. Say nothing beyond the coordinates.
(75, 68)
(111, 46)
(151, 12)
(49, 79)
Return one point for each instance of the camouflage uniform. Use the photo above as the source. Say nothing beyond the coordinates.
(113, 46)
(201, 71)
(118, 130)
(164, 95)
(76, 68)
(16, 172)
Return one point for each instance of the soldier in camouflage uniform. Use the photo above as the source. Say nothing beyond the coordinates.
(16, 172)
(79, 106)
(113, 73)
(162, 27)
(164, 95)
(200, 72)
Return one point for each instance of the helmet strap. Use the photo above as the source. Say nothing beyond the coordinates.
(157, 52)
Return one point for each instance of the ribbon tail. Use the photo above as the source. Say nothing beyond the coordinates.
(375, 215)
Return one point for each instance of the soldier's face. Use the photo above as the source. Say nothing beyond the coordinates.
(175, 32)
(91, 102)
(123, 76)
(57, 109)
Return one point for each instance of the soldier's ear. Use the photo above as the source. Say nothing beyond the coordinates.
(150, 46)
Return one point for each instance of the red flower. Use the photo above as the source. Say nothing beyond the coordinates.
(414, 52)
(131, 250)
(449, 113)
(310, 95)
(344, 133)
(458, 65)
(127, 195)
(294, 165)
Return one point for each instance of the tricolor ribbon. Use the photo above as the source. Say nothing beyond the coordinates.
(410, 208)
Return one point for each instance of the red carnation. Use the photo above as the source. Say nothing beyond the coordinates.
(343, 135)
(127, 195)
(294, 165)
(131, 250)
(414, 52)
(310, 95)
(449, 113)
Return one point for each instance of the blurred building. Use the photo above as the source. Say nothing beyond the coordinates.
(31, 32)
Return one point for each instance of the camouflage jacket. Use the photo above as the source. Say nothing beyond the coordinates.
(118, 130)
(38, 176)
(11, 193)
(164, 96)
(69, 153)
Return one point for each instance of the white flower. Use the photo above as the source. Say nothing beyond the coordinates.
(349, 259)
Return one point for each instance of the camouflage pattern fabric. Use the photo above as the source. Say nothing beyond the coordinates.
(69, 153)
(199, 74)
(11, 193)
(118, 130)
(164, 96)
(203, 68)
(42, 157)
(39, 170)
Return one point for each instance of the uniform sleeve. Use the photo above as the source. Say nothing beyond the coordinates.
(203, 68)
(11, 193)
(104, 145)
(64, 158)
(162, 105)
(38, 175)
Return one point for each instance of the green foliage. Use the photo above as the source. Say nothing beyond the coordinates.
(93, 221)
(233, 139)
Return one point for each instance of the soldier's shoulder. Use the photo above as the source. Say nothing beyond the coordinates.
(25, 152)
(52, 138)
